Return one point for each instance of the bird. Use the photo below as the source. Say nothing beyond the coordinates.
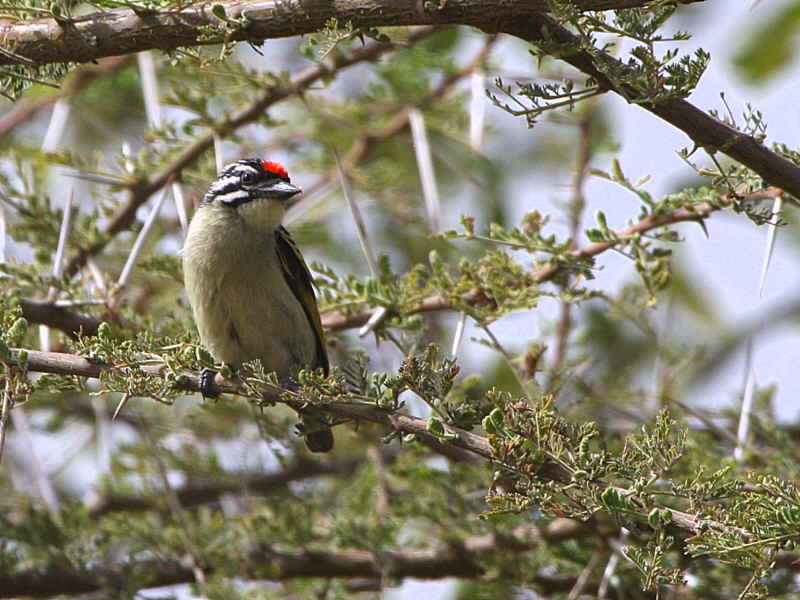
(249, 287)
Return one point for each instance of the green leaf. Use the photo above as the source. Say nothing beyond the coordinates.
(17, 331)
(435, 426)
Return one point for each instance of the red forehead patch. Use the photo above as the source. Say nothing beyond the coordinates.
(274, 167)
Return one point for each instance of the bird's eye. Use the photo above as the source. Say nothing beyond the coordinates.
(249, 177)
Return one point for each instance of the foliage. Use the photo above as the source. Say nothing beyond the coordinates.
(535, 459)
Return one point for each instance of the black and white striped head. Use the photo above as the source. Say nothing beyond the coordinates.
(250, 179)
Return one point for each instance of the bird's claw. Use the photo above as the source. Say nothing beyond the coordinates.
(207, 386)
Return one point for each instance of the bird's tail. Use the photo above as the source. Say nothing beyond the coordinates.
(316, 430)
(320, 440)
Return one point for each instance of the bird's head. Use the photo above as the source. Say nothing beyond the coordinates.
(257, 190)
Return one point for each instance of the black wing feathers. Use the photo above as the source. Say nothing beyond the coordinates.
(299, 279)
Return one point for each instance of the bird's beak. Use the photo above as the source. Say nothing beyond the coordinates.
(279, 191)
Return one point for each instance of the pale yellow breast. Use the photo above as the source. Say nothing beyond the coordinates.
(242, 305)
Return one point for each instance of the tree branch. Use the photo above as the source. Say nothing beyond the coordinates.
(704, 130)
(362, 147)
(194, 494)
(75, 82)
(335, 321)
(463, 561)
(461, 440)
(57, 317)
(111, 33)
(36, 311)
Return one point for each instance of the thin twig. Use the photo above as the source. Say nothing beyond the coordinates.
(719, 432)
(24, 110)
(583, 578)
(575, 212)
(196, 493)
(523, 382)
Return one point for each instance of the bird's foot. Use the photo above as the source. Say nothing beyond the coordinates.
(207, 386)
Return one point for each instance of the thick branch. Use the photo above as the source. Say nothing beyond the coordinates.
(117, 32)
(704, 130)
(265, 563)
(461, 440)
(194, 494)
(57, 317)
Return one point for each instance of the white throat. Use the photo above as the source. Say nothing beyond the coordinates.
(262, 214)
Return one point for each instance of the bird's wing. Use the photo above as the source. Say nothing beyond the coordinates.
(299, 279)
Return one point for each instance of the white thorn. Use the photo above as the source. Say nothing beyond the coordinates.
(2, 235)
(180, 205)
(63, 235)
(377, 317)
(477, 110)
(129, 166)
(747, 404)
(120, 406)
(459, 335)
(58, 122)
(137, 245)
(218, 156)
(97, 275)
(772, 231)
(425, 166)
(147, 73)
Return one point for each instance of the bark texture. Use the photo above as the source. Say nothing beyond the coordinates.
(117, 32)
